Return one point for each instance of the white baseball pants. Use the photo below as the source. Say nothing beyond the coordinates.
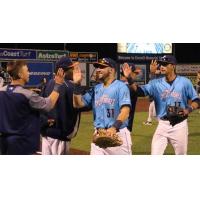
(52, 146)
(176, 135)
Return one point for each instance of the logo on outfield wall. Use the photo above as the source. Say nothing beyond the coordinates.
(10, 54)
(84, 56)
(137, 57)
(40, 70)
(51, 55)
(187, 69)
(47, 55)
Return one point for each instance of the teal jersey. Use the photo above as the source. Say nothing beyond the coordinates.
(107, 102)
(165, 94)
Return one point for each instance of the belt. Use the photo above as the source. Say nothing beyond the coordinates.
(164, 118)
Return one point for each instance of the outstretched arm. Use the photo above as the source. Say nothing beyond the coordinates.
(127, 73)
(77, 97)
(41, 103)
(59, 80)
(132, 85)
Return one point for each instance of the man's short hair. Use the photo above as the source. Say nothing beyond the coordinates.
(13, 68)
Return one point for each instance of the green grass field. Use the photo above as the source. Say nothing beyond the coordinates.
(142, 135)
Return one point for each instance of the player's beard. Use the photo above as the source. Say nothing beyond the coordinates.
(103, 76)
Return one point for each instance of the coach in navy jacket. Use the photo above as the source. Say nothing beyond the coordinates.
(61, 124)
(19, 111)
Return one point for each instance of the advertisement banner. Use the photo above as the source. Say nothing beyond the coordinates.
(51, 55)
(84, 56)
(38, 71)
(47, 55)
(128, 57)
(187, 69)
(12, 54)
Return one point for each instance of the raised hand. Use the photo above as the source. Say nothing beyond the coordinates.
(77, 76)
(153, 66)
(126, 70)
(60, 76)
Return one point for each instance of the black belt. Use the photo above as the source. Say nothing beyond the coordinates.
(173, 122)
(164, 118)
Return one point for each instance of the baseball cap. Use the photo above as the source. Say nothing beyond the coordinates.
(106, 62)
(167, 59)
(65, 63)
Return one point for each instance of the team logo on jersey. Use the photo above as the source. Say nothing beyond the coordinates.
(104, 99)
(167, 93)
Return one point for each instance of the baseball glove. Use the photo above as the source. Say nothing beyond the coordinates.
(175, 115)
(103, 140)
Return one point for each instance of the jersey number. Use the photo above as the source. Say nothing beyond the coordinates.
(110, 113)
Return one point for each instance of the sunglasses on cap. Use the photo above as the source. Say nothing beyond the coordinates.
(164, 64)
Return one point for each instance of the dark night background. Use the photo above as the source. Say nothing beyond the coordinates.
(184, 52)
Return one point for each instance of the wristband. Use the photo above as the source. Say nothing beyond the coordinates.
(77, 89)
(117, 124)
(56, 87)
(130, 80)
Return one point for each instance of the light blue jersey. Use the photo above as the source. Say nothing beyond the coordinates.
(106, 103)
(164, 94)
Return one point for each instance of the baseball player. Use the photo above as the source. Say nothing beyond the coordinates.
(19, 118)
(171, 91)
(64, 119)
(110, 101)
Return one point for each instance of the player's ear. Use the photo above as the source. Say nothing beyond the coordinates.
(174, 68)
(20, 75)
(111, 70)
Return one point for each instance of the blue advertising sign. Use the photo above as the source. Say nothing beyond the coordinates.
(12, 54)
(38, 71)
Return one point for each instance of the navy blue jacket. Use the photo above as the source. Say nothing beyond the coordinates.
(67, 118)
(19, 120)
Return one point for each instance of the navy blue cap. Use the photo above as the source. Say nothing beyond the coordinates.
(65, 63)
(106, 62)
(167, 59)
